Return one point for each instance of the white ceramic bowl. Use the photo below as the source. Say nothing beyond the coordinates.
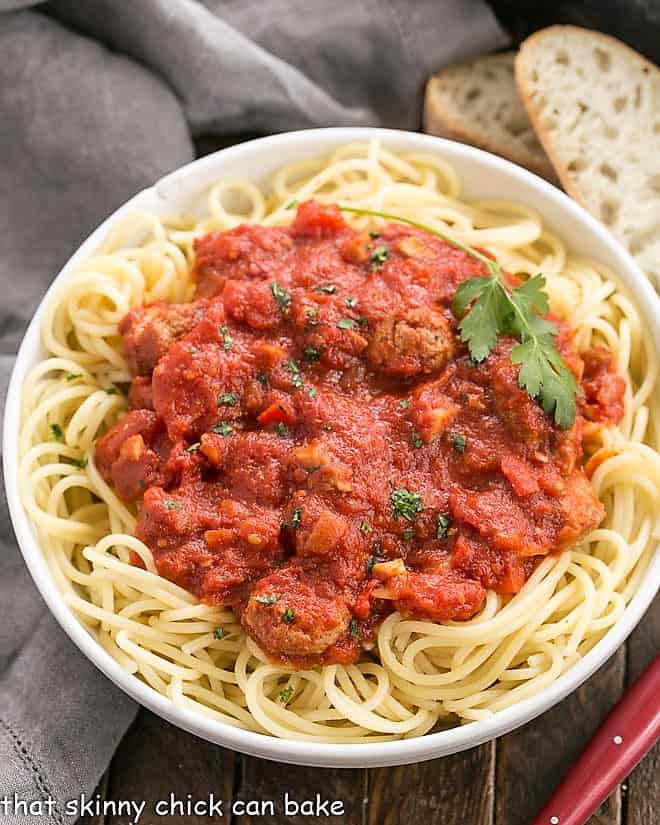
(483, 176)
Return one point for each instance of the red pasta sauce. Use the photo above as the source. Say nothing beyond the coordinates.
(312, 445)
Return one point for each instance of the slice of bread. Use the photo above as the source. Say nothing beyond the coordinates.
(595, 105)
(478, 103)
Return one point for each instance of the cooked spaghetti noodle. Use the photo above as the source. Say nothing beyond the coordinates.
(420, 674)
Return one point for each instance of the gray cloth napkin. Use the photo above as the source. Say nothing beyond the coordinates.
(97, 100)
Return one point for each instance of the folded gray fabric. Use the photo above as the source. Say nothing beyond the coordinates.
(97, 100)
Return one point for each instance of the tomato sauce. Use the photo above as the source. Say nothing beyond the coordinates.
(313, 446)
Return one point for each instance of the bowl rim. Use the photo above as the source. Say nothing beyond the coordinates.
(189, 179)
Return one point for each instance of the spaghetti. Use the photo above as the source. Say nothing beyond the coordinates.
(420, 675)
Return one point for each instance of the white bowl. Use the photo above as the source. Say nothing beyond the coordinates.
(483, 176)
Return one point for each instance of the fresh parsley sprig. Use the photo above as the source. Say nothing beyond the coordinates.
(489, 308)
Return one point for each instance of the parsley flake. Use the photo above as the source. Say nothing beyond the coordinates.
(311, 354)
(326, 289)
(379, 256)
(459, 441)
(408, 534)
(291, 204)
(289, 616)
(262, 378)
(417, 442)
(366, 528)
(296, 518)
(223, 429)
(296, 377)
(282, 296)
(193, 447)
(269, 601)
(227, 340)
(442, 525)
(286, 694)
(405, 504)
(354, 629)
(372, 561)
(228, 399)
(346, 323)
(404, 403)
(71, 376)
(351, 302)
(281, 429)
(56, 432)
(219, 633)
(311, 392)
(172, 505)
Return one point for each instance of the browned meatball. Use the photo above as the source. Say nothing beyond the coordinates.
(415, 342)
(149, 331)
(289, 614)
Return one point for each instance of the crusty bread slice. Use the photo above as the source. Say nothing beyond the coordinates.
(478, 103)
(595, 105)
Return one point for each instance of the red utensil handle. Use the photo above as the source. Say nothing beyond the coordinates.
(625, 736)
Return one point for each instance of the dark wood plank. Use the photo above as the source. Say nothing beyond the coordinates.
(269, 781)
(456, 790)
(642, 797)
(102, 790)
(532, 760)
(156, 759)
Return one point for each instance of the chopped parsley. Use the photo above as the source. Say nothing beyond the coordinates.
(228, 399)
(404, 403)
(269, 601)
(408, 534)
(289, 616)
(172, 505)
(354, 629)
(363, 321)
(281, 429)
(379, 256)
(219, 633)
(351, 302)
(282, 296)
(314, 468)
(71, 376)
(366, 528)
(327, 428)
(223, 429)
(286, 694)
(442, 525)
(296, 377)
(346, 323)
(296, 518)
(227, 340)
(193, 447)
(311, 354)
(291, 204)
(56, 432)
(374, 235)
(81, 464)
(112, 391)
(459, 441)
(326, 289)
(311, 392)
(417, 442)
(406, 504)
(262, 378)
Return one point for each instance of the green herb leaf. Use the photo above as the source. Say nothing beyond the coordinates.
(281, 429)
(408, 534)
(291, 204)
(354, 629)
(193, 447)
(296, 377)
(286, 694)
(71, 376)
(223, 429)
(228, 399)
(296, 518)
(372, 561)
(56, 432)
(459, 441)
(227, 340)
(311, 354)
(327, 289)
(442, 525)
(282, 296)
(366, 528)
(219, 633)
(81, 464)
(289, 616)
(311, 392)
(172, 505)
(351, 301)
(417, 442)
(346, 323)
(404, 403)
(379, 256)
(267, 600)
(262, 378)
(406, 504)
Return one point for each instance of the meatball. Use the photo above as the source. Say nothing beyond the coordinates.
(416, 342)
(289, 614)
(149, 331)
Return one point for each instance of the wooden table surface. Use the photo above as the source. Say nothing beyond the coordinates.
(500, 783)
